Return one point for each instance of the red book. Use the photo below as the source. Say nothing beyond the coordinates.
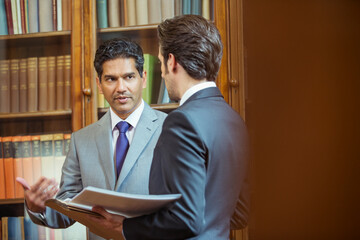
(18, 165)
(2, 173)
(22, 12)
(27, 159)
(9, 17)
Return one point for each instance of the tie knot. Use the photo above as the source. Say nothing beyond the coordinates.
(122, 126)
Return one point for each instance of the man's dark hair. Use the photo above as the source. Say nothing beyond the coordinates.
(195, 43)
(118, 48)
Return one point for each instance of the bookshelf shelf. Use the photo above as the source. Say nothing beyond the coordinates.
(35, 114)
(35, 35)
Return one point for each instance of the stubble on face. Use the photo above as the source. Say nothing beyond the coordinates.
(122, 85)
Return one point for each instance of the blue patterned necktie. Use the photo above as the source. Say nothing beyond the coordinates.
(122, 146)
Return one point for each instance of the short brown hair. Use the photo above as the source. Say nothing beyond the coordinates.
(195, 43)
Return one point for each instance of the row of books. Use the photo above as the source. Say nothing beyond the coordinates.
(31, 16)
(35, 84)
(117, 13)
(155, 91)
(30, 157)
(22, 228)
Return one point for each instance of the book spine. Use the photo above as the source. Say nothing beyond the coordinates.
(154, 11)
(3, 19)
(100, 98)
(22, 15)
(43, 89)
(27, 159)
(60, 82)
(149, 69)
(142, 17)
(167, 9)
(45, 16)
(14, 79)
(36, 157)
(130, 12)
(206, 9)
(196, 7)
(26, 6)
(4, 86)
(33, 16)
(32, 78)
(51, 105)
(186, 7)
(59, 154)
(66, 14)
(178, 7)
(54, 15)
(18, 166)
(23, 85)
(101, 7)
(59, 15)
(122, 13)
(47, 157)
(113, 13)
(9, 168)
(67, 138)
(14, 17)
(2, 172)
(10, 23)
(18, 16)
(67, 82)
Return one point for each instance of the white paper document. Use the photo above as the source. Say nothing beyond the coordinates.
(125, 204)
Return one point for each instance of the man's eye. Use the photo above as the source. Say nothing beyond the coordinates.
(130, 77)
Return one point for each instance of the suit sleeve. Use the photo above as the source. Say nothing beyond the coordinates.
(178, 167)
(70, 185)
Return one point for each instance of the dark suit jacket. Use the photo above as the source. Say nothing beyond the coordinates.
(201, 153)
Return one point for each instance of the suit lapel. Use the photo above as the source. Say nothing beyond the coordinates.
(104, 146)
(144, 130)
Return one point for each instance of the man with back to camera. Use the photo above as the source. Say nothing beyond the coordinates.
(202, 150)
(92, 158)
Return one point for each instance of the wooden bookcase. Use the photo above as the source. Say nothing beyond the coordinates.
(81, 43)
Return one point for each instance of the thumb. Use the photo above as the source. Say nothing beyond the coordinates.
(23, 183)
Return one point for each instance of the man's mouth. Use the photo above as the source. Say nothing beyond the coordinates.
(122, 99)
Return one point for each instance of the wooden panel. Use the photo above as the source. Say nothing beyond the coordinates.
(77, 66)
(236, 56)
(221, 20)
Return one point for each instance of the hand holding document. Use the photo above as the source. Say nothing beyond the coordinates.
(125, 204)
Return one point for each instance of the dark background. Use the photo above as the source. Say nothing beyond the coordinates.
(302, 72)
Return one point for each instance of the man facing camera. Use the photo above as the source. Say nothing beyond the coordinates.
(202, 150)
(115, 153)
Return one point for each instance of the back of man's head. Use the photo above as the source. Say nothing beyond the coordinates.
(118, 48)
(195, 43)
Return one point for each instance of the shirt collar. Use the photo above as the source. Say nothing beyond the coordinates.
(191, 91)
(132, 119)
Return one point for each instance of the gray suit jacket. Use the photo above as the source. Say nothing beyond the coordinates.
(202, 154)
(90, 162)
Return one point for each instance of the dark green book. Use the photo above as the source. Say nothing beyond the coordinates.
(102, 16)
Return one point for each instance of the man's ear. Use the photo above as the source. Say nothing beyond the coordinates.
(171, 63)
(144, 79)
(98, 84)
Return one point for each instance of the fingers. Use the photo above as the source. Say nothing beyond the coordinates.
(23, 182)
(41, 191)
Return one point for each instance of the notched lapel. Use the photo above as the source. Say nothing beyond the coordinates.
(104, 146)
(145, 129)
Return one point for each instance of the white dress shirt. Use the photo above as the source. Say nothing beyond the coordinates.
(195, 89)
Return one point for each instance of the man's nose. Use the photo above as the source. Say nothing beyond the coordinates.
(120, 85)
